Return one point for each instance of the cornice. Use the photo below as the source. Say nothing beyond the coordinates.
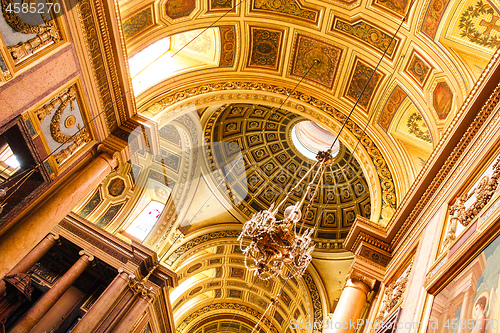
(105, 46)
(365, 271)
(471, 116)
(134, 258)
(466, 124)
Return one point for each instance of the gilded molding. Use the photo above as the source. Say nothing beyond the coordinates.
(225, 237)
(115, 155)
(364, 237)
(102, 61)
(356, 275)
(59, 104)
(231, 307)
(393, 293)
(139, 287)
(370, 35)
(16, 23)
(457, 152)
(48, 34)
(460, 214)
(47, 109)
(67, 97)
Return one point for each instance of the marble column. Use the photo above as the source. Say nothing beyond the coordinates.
(32, 258)
(44, 304)
(132, 316)
(103, 304)
(349, 307)
(30, 230)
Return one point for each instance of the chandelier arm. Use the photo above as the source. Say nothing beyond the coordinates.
(281, 245)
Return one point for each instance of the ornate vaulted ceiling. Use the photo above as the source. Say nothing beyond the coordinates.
(273, 166)
(215, 285)
(424, 78)
(244, 82)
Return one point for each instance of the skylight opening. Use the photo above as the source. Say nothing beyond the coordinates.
(12, 162)
(309, 138)
(173, 55)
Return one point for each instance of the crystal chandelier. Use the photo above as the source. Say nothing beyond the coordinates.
(274, 243)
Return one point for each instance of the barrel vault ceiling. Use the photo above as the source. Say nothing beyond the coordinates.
(246, 60)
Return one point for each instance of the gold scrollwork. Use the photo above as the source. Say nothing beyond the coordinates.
(16, 23)
(394, 293)
(55, 124)
(46, 35)
(483, 193)
(59, 104)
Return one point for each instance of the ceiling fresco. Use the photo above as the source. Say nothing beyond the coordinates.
(306, 50)
(272, 65)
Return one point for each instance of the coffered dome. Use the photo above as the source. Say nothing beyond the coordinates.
(273, 165)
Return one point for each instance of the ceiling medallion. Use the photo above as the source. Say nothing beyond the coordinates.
(70, 122)
(274, 243)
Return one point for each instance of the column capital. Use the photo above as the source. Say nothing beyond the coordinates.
(54, 238)
(359, 281)
(116, 148)
(111, 156)
(89, 256)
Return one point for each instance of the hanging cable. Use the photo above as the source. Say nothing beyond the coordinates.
(234, 316)
(356, 103)
(274, 301)
(372, 74)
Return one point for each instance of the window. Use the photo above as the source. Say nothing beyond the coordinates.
(8, 161)
(146, 220)
(193, 50)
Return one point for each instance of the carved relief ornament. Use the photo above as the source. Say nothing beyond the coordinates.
(483, 193)
(59, 104)
(394, 293)
(46, 35)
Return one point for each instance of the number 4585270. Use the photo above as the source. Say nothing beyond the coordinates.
(33, 8)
